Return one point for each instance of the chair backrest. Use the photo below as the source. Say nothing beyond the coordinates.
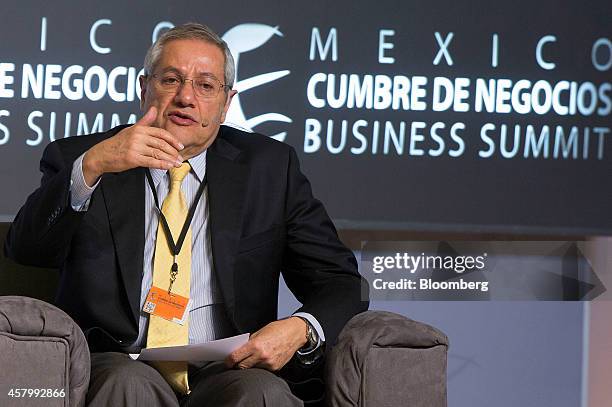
(16, 279)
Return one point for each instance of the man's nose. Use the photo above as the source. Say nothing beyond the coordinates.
(185, 95)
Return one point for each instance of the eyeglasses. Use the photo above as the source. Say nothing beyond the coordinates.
(204, 86)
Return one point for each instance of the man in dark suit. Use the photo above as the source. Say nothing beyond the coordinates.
(94, 218)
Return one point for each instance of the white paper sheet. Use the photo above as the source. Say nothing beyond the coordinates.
(200, 352)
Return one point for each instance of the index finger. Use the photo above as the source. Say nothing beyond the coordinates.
(238, 355)
(149, 117)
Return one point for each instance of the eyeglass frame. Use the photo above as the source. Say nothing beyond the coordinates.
(183, 79)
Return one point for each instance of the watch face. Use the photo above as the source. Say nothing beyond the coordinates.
(312, 339)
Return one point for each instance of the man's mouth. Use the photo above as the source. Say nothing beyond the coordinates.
(181, 118)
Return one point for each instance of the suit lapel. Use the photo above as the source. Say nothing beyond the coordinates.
(124, 196)
(227, 182)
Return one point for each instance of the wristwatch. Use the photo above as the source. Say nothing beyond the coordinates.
(312, 339)
(314, 347)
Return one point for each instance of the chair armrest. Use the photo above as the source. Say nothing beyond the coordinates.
(41, 347)
(385, 359)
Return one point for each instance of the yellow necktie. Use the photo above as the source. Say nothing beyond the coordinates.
(162, 332)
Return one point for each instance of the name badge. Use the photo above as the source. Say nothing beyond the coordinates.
(172, 307)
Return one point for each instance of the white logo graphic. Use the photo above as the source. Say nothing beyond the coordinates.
(243, 38)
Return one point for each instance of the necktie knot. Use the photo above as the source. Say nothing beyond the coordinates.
(178, 174)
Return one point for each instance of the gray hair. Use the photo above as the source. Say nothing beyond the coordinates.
(192, 31)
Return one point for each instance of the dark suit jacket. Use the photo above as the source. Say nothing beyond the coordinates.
(263, 221)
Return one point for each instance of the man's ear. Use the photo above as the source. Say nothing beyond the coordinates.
(143, 89)
(228, 100)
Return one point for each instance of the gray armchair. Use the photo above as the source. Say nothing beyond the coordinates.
(380, 359)
(43, 355)
(384, 359)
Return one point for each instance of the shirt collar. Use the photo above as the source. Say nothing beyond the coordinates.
(198, 166)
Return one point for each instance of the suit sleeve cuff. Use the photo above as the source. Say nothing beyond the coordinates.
(80, 192)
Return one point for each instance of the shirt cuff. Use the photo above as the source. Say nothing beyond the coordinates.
(317, 327)
(80, 192)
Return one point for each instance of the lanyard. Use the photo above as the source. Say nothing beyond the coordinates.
(175, 248)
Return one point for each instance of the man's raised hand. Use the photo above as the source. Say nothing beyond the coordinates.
(139, 145)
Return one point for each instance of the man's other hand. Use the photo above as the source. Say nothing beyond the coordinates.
(139, 145)
(272, 346)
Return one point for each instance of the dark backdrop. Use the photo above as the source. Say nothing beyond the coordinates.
(361, 188)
